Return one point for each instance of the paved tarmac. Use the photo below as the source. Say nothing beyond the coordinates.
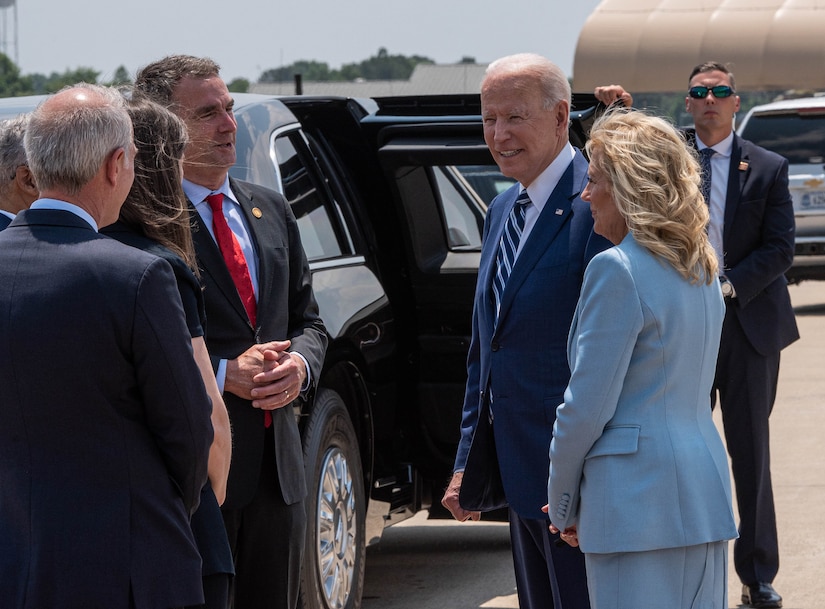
(423, 564)
(798, 458)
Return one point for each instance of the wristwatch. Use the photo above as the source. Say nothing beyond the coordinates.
(727, 287)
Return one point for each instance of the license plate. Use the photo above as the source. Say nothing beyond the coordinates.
(813, 200)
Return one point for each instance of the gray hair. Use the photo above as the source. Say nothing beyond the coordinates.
(12, 151)
(158, 80)
(66, 145)
(551, 78)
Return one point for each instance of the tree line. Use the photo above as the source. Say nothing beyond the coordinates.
(382, 66)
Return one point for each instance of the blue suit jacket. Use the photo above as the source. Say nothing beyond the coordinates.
(521, 364)
(636, 461)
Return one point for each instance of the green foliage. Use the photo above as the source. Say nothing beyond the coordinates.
(56, 81)
(120, 78)
(382, 66)
(13, 84)
(309, 70)
(238, 85)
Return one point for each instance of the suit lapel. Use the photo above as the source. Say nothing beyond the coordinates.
(556, 212)
(264, 229)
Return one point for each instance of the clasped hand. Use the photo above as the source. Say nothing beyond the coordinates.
(267, 374)
(570, 535)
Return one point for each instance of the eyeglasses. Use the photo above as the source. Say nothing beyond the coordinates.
(719, 92)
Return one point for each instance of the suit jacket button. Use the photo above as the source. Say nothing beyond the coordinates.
(494, 346)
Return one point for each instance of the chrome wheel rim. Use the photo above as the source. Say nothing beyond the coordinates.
(336, 529)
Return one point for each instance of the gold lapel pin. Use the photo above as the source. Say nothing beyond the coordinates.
(257, 212)
(743, 165)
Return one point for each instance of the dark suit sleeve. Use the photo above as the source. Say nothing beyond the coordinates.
(760, 247)
(177, 408)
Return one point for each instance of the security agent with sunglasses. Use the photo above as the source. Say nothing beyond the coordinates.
(752, 229)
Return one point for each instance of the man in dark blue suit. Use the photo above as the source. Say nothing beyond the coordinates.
(752, 229)
(104, 421)
(528, 285)
(20, 191)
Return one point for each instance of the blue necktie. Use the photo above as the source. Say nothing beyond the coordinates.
(704, 161)
(508, 246)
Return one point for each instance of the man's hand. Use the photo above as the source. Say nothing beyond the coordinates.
(610, 94)
(281, 380)
(450, 500)
(266, 374)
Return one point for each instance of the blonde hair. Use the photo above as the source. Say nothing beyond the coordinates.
(655, 179)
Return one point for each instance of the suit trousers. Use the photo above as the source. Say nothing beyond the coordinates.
(692, 577)
(746, 381)
(548, 576)
(266, 576)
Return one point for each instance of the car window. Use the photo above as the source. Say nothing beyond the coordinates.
(799, 138)
(466, 191)
(303, 188)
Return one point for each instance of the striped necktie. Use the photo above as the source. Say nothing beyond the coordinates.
(508, 246)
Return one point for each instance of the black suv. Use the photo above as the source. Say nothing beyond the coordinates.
(390, 196)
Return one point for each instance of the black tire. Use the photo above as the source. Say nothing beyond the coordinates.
(332, 574)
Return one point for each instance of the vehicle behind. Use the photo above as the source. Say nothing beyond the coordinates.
(795, 129)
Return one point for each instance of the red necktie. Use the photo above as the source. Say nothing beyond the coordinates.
(236, 264)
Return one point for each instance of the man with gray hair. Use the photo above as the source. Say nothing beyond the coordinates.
(17, 187)
(104, 422)
(538, 239)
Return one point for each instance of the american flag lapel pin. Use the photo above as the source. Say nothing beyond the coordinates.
(743, 165)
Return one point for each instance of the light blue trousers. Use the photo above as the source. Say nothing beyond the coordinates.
(693, 577)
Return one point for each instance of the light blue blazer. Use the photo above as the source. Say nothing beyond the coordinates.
(636, 461)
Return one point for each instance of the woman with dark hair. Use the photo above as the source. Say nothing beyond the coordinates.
(155, 218)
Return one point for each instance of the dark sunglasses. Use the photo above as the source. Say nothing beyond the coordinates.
(719, 92)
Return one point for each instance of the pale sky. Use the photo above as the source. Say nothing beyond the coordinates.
(247, 37)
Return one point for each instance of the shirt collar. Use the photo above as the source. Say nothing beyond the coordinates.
(197, 193)
(544, 185)
(723, 148)
(65, 206)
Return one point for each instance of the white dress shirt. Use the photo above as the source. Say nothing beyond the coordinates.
(541, 189)
(719, 170)
(237, 224)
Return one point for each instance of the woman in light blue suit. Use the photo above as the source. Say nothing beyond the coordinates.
(638, 473)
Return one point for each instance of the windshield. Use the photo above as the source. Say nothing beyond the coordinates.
(799, 138)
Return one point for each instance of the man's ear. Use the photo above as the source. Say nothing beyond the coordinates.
(115, 163)
(563, 114)
(24, 179)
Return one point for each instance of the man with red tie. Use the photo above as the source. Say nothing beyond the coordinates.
(263, 331)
